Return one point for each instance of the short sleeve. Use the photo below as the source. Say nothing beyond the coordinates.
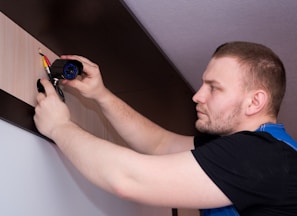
(236, 165)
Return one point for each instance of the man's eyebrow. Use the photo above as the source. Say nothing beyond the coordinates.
(212, 82)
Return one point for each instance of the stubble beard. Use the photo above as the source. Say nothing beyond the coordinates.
(220, 124)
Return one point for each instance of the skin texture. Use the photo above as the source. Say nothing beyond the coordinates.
(159, 164)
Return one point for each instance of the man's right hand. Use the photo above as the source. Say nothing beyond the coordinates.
(91, 84)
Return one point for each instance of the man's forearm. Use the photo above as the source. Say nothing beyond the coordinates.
(102, 162)
(140, 133)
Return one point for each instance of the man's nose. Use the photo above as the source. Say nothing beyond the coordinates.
(199, 96)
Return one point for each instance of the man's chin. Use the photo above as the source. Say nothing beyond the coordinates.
(204, 128)
(200, 126)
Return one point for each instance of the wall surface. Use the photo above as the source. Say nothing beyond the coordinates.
(36, 179)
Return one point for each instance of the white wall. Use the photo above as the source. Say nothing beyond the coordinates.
(37, 180)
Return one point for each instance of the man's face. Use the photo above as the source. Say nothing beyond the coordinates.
(220, 99)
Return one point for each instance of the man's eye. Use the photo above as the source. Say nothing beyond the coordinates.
(212, 88)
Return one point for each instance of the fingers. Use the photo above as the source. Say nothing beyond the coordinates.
(40, 97)
(49, 89)
(79, 58)
(88, 66)
(77, 84)
(90, 69)
(90, 80)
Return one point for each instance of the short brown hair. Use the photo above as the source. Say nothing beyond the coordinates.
(264, 69)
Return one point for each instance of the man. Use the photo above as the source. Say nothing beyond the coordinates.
(250, 164)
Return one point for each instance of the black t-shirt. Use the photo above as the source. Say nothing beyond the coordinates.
(255, 171)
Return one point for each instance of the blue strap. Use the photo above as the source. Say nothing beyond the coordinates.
(224, 211)
(278, 132)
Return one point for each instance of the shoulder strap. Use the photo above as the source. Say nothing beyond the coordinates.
(224, 211)
(278, 132)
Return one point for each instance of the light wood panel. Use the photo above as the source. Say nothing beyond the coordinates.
(20, 63)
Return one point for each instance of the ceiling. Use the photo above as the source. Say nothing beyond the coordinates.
(188, 31)
(185, 32)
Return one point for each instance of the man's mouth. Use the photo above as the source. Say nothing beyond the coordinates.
(200, 111)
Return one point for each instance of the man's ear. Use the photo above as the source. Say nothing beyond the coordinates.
(257, 101)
